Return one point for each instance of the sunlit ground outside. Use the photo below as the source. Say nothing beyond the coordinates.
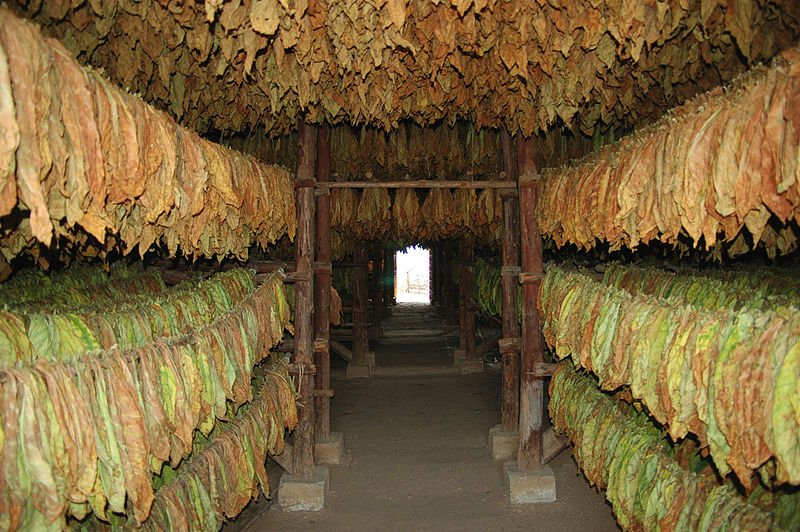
(413, 275)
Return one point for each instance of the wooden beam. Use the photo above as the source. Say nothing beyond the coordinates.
(285, 459)
(529, 454)
(421, 183)
(552, 445)
(303, 455)
(388, 280)
(509, 407)
(322, 291)
(487, 345)
(360, 333)
(466, 298)
(376, 288)
(340, 349)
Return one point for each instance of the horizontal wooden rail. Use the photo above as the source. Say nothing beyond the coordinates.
(421, 183)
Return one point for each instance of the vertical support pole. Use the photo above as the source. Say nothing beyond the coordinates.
(467, 299)
(529, 454)
(392, 278)
(322, 290)
(430, 276)
(303, 452)
(450, 290)
(377, 291)
(509, 408)
(361, 365)
(436, 288)
(388, 280)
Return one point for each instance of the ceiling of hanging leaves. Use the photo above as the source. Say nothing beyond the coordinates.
(232, 65)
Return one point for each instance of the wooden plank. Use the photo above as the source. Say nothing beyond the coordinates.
(529, 455)
(552, 445)
(466, 298)
(340, 349)
(303, 455)
(322, 290)
(284, 460)
(487, 345)
(422, 183)
(360, 333)
(509, 407)
(376, 288)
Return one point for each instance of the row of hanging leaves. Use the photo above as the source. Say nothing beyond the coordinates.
(725, 161)
(49, 331)
(729, 377)
(372, 214)
(225, 474)
(88, 435)
(624, 453)
(87, 164)
(232, 64)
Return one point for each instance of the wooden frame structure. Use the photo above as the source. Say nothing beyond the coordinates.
(522, 353)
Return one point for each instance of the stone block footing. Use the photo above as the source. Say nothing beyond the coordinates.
(529, 487)
(503, 445)
(330, 450)
(304, 493)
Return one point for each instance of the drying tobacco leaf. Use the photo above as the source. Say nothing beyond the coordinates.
(694, 173)
(686, 365)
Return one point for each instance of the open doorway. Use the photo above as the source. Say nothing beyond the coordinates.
(412, 275)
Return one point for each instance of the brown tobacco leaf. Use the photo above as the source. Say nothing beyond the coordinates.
(522, 66)
(265, 16)
(710, 166)
(9, 139)
(25, 69)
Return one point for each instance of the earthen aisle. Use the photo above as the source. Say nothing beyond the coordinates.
(417, 460)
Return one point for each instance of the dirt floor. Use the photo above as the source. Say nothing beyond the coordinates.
(417, 457)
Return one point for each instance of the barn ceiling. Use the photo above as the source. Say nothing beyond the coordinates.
(234, 65)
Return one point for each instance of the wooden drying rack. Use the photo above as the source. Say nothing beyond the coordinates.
(420, 183)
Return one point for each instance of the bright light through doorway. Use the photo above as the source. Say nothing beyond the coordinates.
(413, 275)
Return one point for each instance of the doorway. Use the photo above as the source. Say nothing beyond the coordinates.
(413, 275)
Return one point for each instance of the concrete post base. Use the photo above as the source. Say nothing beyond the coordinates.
(330, 451)
(529, 487)
(503, 445)
(358, 372)
(304, 494)
(469, 366)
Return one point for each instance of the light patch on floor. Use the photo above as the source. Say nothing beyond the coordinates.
(413, 275)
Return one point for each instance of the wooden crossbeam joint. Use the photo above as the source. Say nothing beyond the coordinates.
(323, 393)
(509, 346)
(542, 369)
(298, 275)
(322, 267)
(321, 345)
(530, 277)
(302, 369)
(510, 271)
(305, 183)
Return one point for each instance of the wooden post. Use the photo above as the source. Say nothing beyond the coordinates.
(391, 278)
(529, 454)
(303, 448)
(322, 291)
(436, 288)
(360, 334)
(430, 276)
(509, 407)
(451, 290)
(467, 298)
(388, 280)
(377, 291)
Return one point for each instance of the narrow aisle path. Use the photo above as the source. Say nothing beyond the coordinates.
(418, 460)
(414, 340)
